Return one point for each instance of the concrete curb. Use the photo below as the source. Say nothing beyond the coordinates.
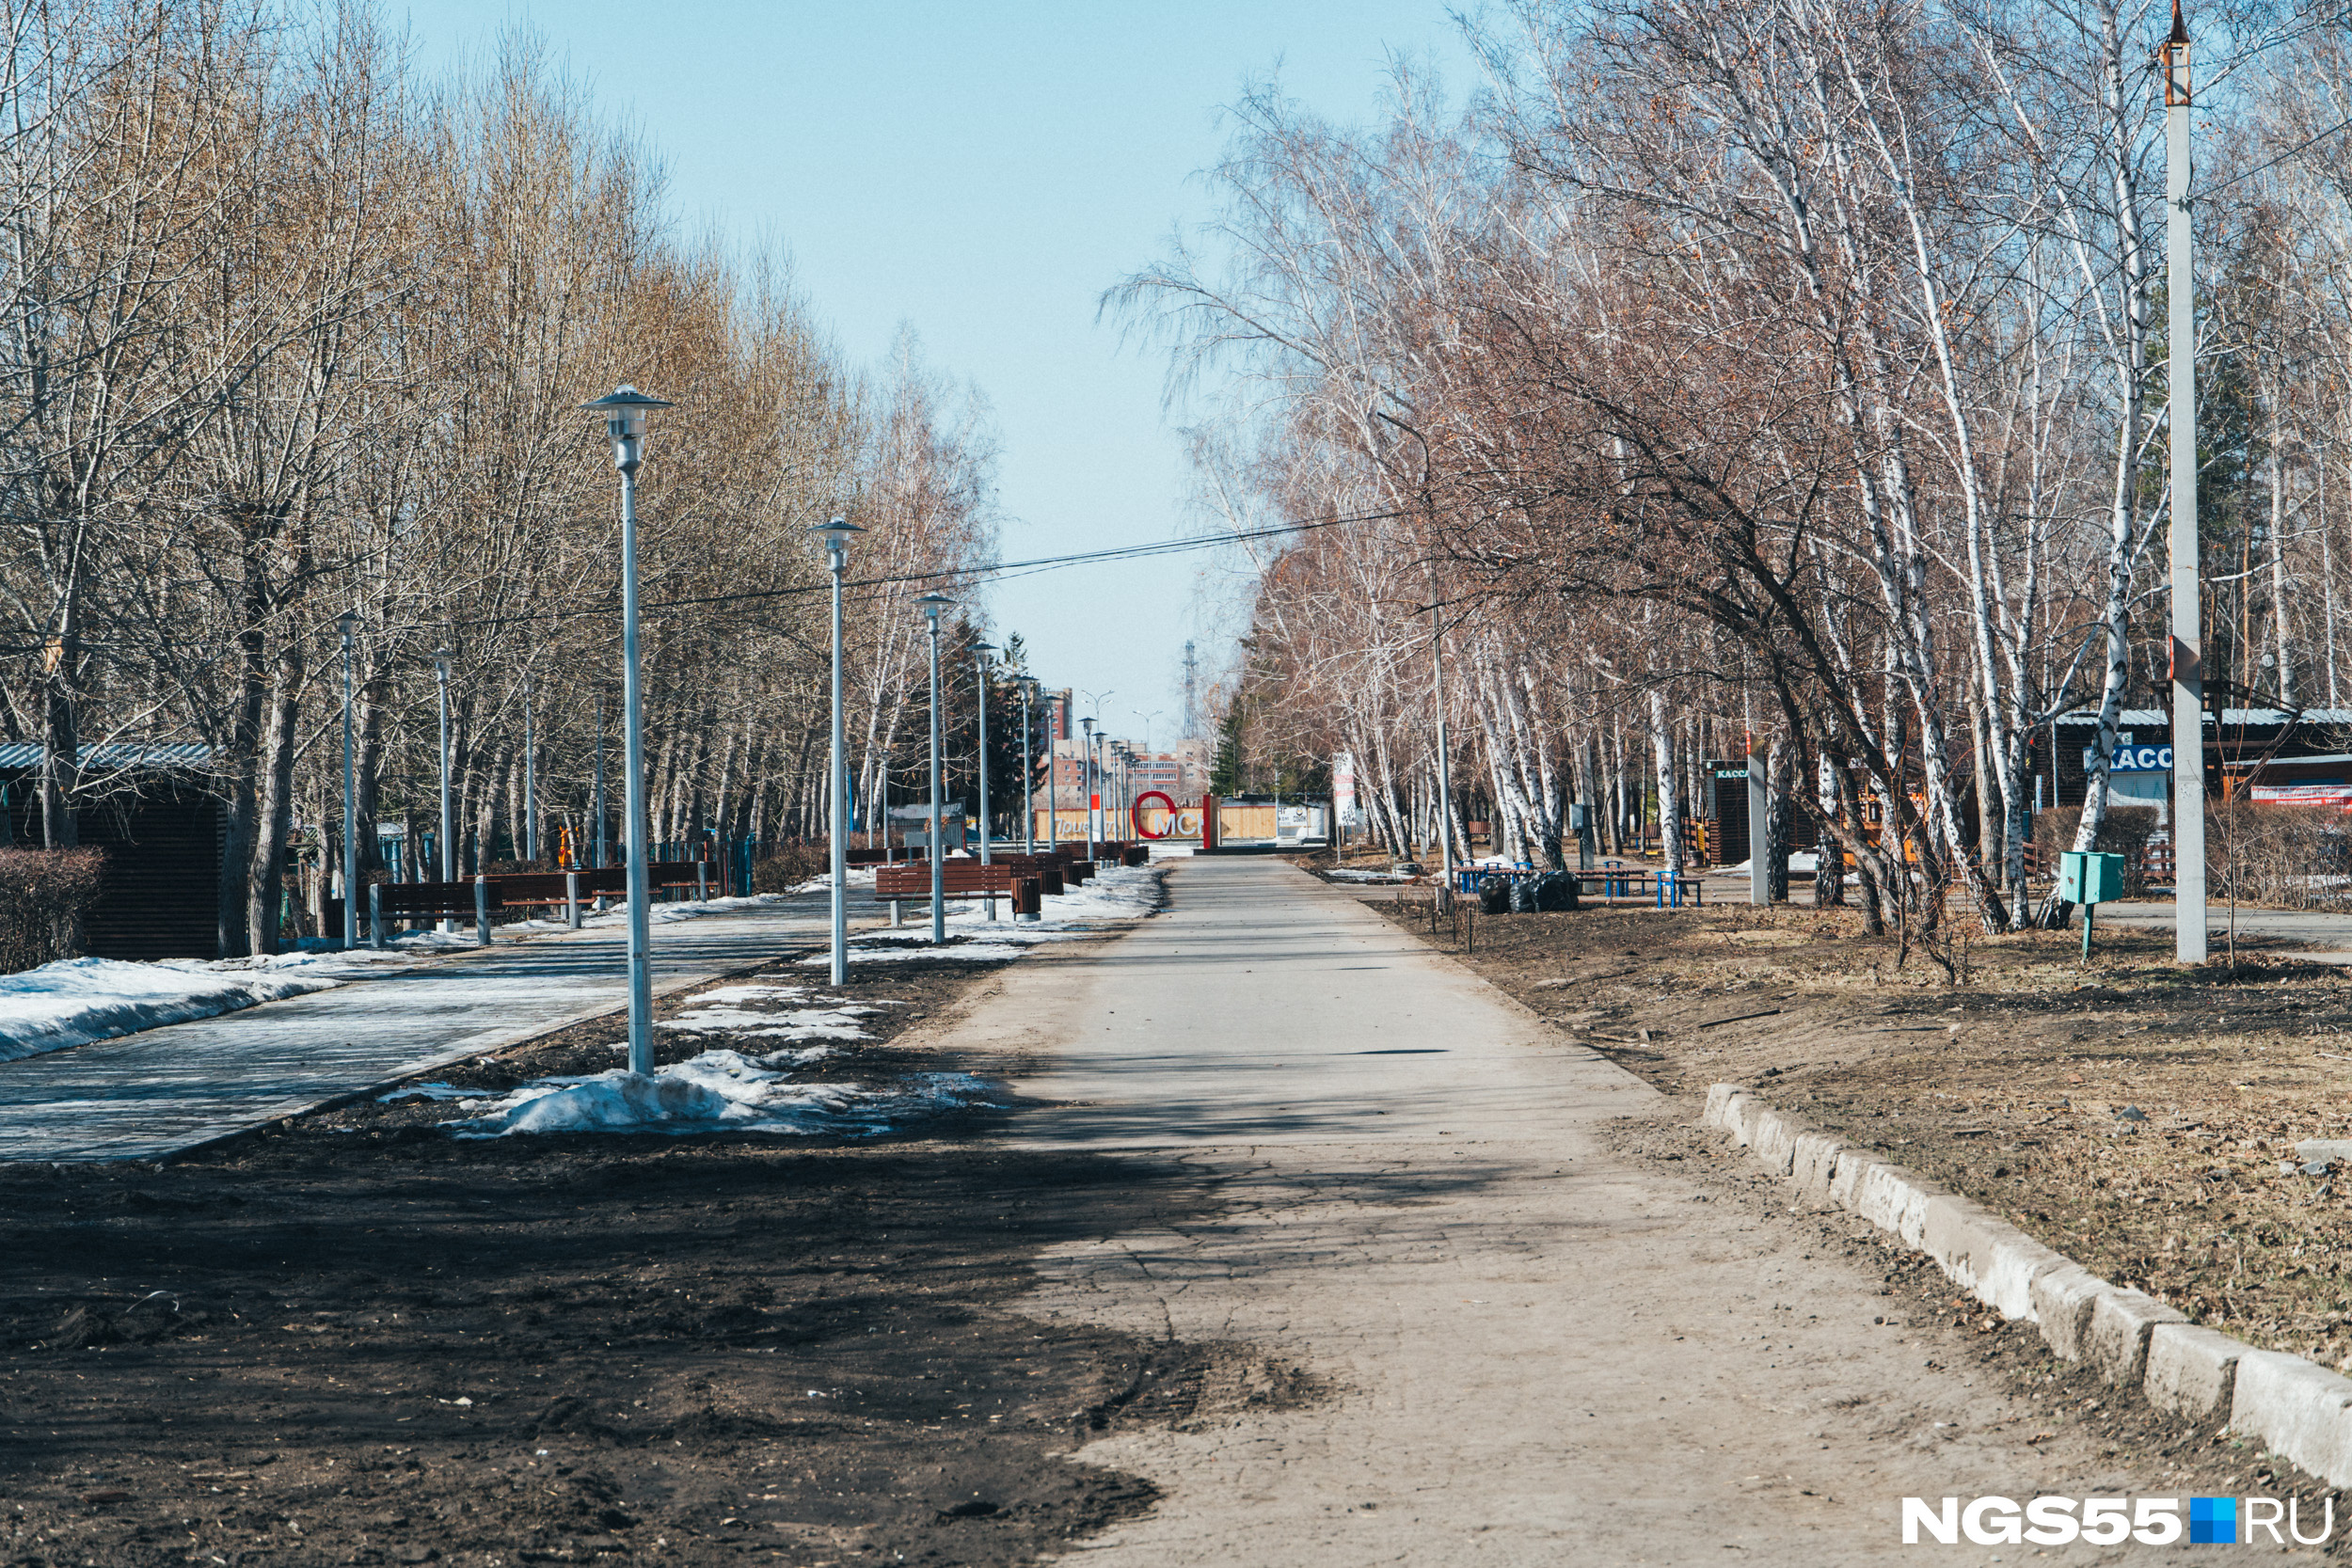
(2297, 1408)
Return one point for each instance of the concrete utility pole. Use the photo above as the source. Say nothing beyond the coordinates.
(2189, 680)
(1759, 818)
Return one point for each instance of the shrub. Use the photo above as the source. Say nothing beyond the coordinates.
(2290, 856)
(2124, 830)
(787, 867)
(45, 895)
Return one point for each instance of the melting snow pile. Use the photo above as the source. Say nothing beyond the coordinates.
(719, 1091)
(76, 1001)
(723, 1010)
(1117, 892)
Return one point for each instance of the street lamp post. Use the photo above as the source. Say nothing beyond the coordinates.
(625, 409)
(1028, 771)
(530, 779)
(1086, 781)
(837, 534)
(932, 604)
(441, 656)
(347, 621)
(980, 660)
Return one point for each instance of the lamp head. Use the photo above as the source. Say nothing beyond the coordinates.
(932, 604)
(347, 622)
(624, 408)
(442, 654)
(837, 533)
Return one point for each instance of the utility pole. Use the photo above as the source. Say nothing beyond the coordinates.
(1192, 711)
(2189, 683)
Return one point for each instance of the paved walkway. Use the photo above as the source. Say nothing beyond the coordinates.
(1537, 1351)
(148, 1095)
(2326, 933)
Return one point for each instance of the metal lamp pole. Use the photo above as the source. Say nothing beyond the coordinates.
(441, 656)
(980, 660)
(2188, 676)
(932, 604)
(347, 621)
(1086, 776)
(530, 779)
(1028, 772)
(1445, 799)
(837, 534)
(625, 409)
(602, 855)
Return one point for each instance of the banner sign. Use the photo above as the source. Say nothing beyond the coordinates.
(2313, 792)
(1344, 789)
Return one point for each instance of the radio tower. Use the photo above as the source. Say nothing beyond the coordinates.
(1192, 727)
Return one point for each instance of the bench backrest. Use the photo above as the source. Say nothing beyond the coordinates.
(408, 898)
(959, 877)
(530, 886)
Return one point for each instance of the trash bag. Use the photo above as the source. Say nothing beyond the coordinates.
(1522, 896)
(1552, 892)
(1494, 895)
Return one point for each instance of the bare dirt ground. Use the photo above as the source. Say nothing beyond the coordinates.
(354, 1339)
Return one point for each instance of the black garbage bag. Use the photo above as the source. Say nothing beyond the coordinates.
(1553, 891)
(1494, 895)
(1522, 896)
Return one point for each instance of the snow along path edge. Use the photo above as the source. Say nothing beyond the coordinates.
(2295, 1407)
(483, 1044)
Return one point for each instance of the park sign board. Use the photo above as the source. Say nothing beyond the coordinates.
(2133, 759)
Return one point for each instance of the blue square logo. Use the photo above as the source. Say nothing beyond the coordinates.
(2213, 1521)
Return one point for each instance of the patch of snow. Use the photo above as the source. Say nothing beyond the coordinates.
(432, 1091)
(76, 1001)
(1343, 874)
(720, 1091)
(1118, 893)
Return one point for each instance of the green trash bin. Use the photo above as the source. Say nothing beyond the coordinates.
(2090, 879)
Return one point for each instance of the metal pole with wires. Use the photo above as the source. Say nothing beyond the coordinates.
(2188, 676)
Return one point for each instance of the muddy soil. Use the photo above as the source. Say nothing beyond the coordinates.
(2133, 1115)
(352, 1338)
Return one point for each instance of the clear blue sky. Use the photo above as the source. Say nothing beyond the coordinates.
(982, 173)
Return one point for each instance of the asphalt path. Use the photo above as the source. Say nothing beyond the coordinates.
(1532, 1349)
(2327, 934)
(149, 1095)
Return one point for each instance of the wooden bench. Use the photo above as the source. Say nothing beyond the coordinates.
(428, 901)
(477, 897)
(960, 877)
